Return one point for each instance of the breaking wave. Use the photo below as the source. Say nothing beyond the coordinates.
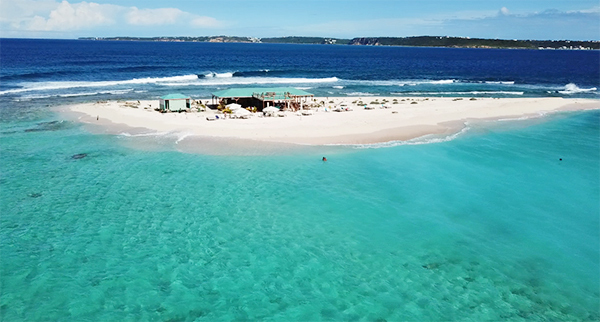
(185, 80)
(211, 75)
(223, 81)
(361, 94)
(249, 73)
(501, 82)
(462, 93)
(113, 92)
(44, 86)
(398, 82)
(573, 89)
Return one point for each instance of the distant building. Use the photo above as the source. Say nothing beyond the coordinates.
(174, 103)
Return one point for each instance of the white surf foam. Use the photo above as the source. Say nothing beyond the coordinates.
(45, 86)
(276, 80)
(127, 134)
(463, 93)
(397, 82)
(441, 82)
(224, 81)
(184, 80)
(113, 92)
(501, 82)
(573, 89)
(182, 136)
(525, 117)
(222, 75)
(427, 139)
(361, 94)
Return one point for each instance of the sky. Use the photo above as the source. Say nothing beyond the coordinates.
(501, 19)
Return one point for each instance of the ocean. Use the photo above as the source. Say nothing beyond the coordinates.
(498, 222)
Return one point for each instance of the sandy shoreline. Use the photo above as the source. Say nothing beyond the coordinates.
(404, 119)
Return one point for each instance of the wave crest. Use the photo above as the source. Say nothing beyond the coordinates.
(574, 89)
(44, 86)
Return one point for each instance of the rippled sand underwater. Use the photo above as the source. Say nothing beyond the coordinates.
(491, 225)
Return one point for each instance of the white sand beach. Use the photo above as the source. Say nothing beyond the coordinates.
(403, 119)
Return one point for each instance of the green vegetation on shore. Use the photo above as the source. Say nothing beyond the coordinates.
(422, 41)
(461, 42)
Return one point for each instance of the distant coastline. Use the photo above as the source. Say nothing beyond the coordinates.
(421, 41)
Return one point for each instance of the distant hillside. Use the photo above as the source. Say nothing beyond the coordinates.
(428, 41)
(422, 41)
(306, 40)
(179, 39)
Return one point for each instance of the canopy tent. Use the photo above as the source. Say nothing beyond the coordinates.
(233, 106)
(242, 111)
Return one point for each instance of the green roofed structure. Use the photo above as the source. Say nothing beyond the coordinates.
(289, 97)
(174, 103)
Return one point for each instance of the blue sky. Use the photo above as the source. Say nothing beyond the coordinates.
(507, 19)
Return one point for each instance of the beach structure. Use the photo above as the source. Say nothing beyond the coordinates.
(285, 97)
(174, 103)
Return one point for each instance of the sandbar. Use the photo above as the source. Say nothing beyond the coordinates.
(396, 119)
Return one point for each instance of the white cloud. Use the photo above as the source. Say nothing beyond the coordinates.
(74, 16)
(50, 15)
(504, 24)
(147, 17)
(15, 10)
(168, 16)
(548, 24)
(591, 10)
(205, 22)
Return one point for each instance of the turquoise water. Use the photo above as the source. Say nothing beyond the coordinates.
(488, 226)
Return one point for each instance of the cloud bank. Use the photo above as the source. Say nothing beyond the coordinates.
(53, 16)
(501, 23)
(69, 19)
(548, 24)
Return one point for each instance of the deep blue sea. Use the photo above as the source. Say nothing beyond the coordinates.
(501, 222)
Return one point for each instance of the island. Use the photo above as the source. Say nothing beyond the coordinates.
(419, 41)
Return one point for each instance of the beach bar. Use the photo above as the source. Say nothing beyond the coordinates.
(289, 97)
(174, 103)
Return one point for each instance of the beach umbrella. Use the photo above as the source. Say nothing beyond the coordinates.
(233, 106)
(270, 109)
(241, 111)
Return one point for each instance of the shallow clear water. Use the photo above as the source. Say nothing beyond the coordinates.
(489, 226)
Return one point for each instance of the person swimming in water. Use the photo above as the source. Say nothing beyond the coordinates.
(324, 159)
